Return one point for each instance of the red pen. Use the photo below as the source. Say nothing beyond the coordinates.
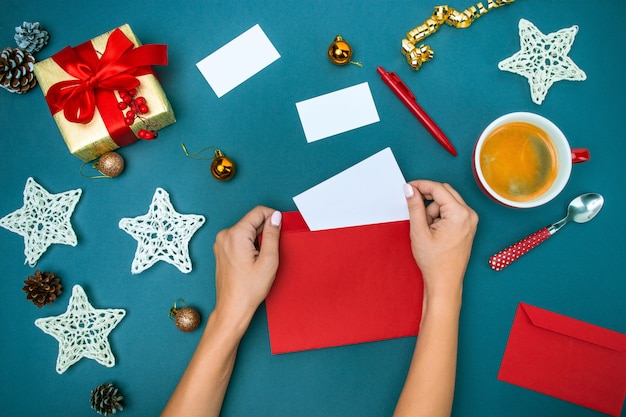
(406, 96)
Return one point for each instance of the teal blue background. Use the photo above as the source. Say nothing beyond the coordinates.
(579, 272)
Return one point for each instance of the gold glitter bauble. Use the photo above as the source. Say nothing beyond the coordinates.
(187, 319)
(222, 167)
(340, 51)
(110, 164)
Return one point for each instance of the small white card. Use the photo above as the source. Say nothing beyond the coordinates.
(238, 60)
(337, 112)
(369, 192)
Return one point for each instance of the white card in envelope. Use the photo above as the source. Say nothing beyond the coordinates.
(369, 192)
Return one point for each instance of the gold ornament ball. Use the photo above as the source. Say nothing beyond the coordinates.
(187, 319)
(110, 164)
(222, 167)
(340, 51)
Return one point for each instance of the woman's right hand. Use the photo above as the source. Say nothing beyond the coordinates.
(442, 233)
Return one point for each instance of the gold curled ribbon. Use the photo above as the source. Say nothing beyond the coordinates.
(418, 55)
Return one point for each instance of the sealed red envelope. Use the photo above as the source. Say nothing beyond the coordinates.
(343, 286)
(567, 359)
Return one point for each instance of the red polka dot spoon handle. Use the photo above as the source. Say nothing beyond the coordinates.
(504, 258)
(580, 210)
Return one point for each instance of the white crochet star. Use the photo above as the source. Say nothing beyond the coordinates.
(543, 59)
(162, 234)
(43, 220)
(82, 331)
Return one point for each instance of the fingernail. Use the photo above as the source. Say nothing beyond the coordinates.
(276, 219)
(408, 191)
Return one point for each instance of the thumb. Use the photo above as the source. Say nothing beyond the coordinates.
(268, 253)
(417, 211)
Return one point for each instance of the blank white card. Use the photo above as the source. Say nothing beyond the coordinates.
(238, 60)
(369, 192)
(337, 112)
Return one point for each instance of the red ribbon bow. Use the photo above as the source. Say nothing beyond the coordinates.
(98, 77)
(121, 62)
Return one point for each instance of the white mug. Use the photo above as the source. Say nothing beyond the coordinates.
(565, 157)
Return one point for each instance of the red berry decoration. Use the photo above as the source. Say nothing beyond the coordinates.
(136, 107)
(147, 134)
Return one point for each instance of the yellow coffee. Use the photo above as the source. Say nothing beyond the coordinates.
(518, 161)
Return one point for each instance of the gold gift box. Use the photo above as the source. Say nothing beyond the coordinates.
(89, 141)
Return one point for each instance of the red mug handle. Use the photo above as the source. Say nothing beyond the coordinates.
(580, 155)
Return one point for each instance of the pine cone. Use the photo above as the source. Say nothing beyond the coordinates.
(106, 399)
(42, 288)
(16, 70)
(31, 37)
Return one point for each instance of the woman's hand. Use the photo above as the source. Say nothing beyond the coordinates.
(243, 273)
(442, 233)
(243, 277)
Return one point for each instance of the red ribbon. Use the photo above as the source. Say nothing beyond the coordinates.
(98, 78)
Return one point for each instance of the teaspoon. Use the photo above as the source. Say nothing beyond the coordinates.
(580, 210)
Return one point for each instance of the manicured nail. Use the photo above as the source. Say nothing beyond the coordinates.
(276, 219)
(408, 191)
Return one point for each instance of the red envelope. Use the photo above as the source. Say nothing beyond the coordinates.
(343, 286)
(567, 359)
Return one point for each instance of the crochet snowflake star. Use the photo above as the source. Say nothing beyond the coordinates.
(82, 331)
(43, 220)
(543, 59)
(162, 234)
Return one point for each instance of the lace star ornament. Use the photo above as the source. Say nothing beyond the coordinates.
(543, 59)
(82, 331)
(162, 234)
(43, 220)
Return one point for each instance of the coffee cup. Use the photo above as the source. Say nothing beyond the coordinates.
(523, 160)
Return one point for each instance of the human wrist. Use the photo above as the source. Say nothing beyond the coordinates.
(446, 293)
(440, 311)
(443, 302)
(231, 325)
